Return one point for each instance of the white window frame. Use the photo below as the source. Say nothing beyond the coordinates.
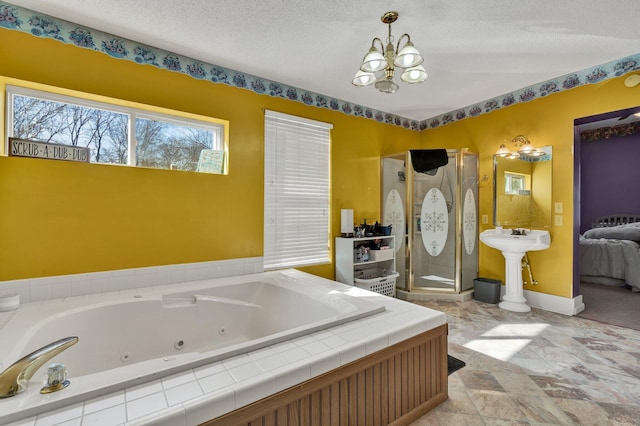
(510, 178)
(133, 113)
(297, 180)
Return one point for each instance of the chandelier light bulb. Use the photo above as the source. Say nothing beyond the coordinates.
(362, 79)
(408, 57)
(414, 75)
(373, 61)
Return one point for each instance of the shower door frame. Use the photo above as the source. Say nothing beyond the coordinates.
(459, 156)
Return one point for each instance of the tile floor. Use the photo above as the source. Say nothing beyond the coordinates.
(537, 368)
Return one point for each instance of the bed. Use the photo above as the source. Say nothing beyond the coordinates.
(610, 251)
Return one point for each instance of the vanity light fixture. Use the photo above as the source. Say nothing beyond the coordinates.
(523, 147)
(503, 151)
(380, 62)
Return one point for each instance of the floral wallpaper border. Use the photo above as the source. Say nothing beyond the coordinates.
(604, 133)
(25, 20)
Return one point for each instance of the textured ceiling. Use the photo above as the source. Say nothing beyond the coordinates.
(474, 50)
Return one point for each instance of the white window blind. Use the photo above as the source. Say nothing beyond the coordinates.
(296, 191)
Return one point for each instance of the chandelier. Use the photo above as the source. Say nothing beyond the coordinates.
(380, 63)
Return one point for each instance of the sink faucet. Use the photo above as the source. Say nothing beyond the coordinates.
(14, 379)
(516, 231)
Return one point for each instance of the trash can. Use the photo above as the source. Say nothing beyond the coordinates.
(486, 290)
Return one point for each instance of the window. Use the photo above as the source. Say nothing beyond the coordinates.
(162, 141)
(516, 183)
(296, 195)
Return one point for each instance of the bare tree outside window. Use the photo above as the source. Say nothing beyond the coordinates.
(159, 144)
(76, 119)
(118, 133)
(170, 146)
(36, 119)
(68, 124)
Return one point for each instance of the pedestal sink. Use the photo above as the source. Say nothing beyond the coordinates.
(513, 248)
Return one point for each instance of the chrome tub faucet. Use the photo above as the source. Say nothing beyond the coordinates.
(14, 379)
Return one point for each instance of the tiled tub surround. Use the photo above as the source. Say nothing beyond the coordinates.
(202, 392)
(126, 280)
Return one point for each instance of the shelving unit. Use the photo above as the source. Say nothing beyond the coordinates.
(378, 273)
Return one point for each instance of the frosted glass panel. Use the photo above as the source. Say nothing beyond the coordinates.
(469, 221)
(433, 249)
(434, 221)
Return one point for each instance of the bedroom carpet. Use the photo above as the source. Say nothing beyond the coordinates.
(611, 305)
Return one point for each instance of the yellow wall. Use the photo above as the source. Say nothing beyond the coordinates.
(545, 121)
(63, 218)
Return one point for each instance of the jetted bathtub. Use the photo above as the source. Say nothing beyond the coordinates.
(155, 332)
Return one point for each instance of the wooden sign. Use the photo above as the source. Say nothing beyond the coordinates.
(51, 151)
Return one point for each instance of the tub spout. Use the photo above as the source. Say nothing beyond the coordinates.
(14, 379)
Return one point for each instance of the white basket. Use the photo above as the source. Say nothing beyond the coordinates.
(378, 255)
(383, 284)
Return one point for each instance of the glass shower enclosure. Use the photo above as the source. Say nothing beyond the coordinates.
(429, 197)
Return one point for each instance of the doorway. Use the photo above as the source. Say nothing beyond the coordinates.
(603, 164)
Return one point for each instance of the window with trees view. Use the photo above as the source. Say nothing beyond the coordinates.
(161, 141)
(516, 183)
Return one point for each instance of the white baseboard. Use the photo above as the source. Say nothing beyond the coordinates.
(547, 302)
(552, 303)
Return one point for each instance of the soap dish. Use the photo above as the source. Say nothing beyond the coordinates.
(9, 302)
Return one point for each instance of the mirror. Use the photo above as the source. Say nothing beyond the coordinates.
(522, 191)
